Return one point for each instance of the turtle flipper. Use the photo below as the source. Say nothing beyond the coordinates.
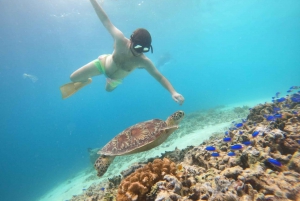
(170, 129)
(102, 164)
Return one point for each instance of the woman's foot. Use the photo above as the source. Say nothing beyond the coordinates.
(69, 89)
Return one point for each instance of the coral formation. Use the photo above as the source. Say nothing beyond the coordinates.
(138, 184)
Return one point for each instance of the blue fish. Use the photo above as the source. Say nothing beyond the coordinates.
(280, 100)
(294, 87)
(295, 100)
(244, 120)
(239, 125)
(276, 109)
(226, 133)
(255, 133)
(277, 94)
(270, 118)
(247, 143)
(231, 154)
(273, 97)
(236, 147)
(278, 115)
(211, 148)
(215, 154)
(274, 162)
(102, 189)
(289, 91)
(241, 132)
(227, 139)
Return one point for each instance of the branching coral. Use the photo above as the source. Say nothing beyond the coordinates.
(138, 184)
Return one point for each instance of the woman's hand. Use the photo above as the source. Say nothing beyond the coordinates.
(178, 98)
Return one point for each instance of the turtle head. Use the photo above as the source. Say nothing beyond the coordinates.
(102, 164)
(175, 118)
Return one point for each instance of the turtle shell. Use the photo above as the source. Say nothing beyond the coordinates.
(135, 138)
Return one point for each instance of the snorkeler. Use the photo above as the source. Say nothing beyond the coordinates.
(127, 56)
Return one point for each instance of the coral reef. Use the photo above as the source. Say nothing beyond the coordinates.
(263, 164)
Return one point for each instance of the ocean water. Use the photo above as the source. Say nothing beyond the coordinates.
(219, 53)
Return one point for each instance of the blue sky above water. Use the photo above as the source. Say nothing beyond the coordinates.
(223, 52)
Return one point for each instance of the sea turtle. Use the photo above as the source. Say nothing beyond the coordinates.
(137, 138)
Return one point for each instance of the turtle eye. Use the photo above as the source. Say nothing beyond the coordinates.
(178, 115)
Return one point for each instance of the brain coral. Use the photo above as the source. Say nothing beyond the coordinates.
(138, 184)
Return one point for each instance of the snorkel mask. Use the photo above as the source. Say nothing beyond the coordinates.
(141, 41)
(141, 49)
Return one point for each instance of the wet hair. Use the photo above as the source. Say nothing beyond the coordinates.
(142, 37)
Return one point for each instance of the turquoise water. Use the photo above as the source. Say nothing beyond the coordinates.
(221, 52)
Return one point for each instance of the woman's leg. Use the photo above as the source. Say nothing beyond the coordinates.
(85, 72)
(80, 78)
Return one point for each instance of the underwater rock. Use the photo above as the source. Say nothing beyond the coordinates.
(289, 146)
(295, 162)
(176, 155)
(173, 183)
(255, 114)
(115, 181)
(233, 172)
(164, 195)
(166, 190)
(131, 169)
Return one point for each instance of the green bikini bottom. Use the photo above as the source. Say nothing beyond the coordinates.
(112, 82)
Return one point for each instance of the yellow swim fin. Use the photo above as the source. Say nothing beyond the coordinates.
(69, 89)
